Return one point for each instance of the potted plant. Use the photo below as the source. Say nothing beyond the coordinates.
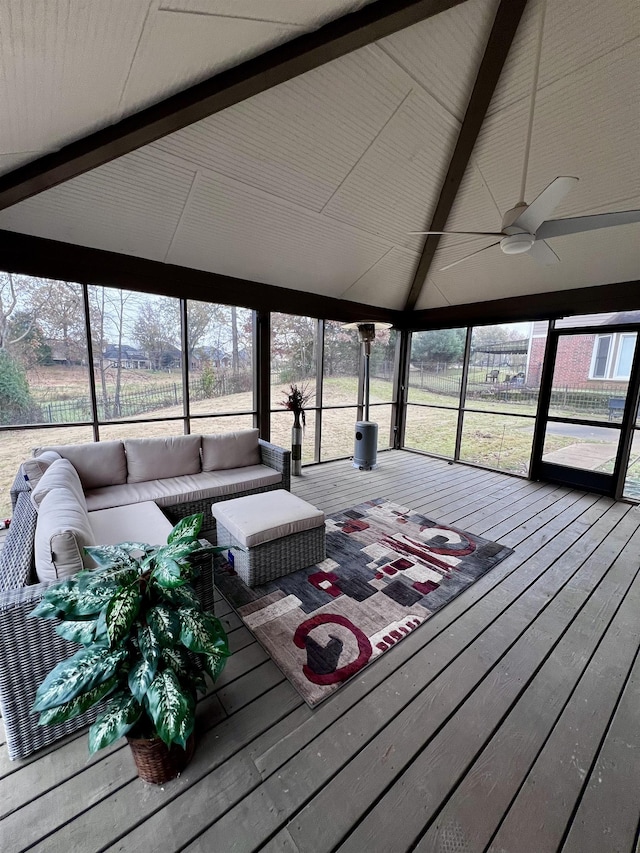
(146, 646)
(295, 400)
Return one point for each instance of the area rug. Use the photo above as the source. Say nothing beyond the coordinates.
(387, 570)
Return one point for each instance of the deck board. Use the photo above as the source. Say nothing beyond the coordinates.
(507, 722)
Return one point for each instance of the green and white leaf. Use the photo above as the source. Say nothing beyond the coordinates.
(186, 528)
(110, 557)
(46, 610)
(121, 611)
(81, 631)
(178, 660)
(81, 703)
(121, 714)
(181, 596)
(165, 624)
(168, 573)
(202, 632)
(140, 677)
(93, 599)
(214, 664)
(150, 645)
(64, 595)
(87, 668)
(171, 710)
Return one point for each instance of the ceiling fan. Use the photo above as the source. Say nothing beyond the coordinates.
(526, 227)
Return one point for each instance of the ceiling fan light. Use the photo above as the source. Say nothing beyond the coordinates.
(516, 244)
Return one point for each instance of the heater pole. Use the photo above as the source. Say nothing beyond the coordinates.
(367, 353)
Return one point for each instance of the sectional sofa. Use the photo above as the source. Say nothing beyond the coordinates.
(68, 496)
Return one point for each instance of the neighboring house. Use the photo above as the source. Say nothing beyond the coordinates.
(219, 358)
(65, 352)
(127, 357)
(583, 360)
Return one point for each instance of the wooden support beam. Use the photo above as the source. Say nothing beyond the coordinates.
(282, 63)
(502, 34)
(621, 296)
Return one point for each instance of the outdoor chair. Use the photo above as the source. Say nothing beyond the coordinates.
(492, 376)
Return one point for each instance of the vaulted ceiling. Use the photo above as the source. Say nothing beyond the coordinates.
(314, 183)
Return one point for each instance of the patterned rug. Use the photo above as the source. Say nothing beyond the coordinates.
(387, 570)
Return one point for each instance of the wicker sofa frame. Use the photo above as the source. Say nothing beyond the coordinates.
(30, 648)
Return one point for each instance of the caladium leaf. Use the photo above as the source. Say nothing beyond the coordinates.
(93, 599)
(87, 668)
(170, 708)
(202, 632)
(46, 610)
(214, 664)
(140, 677)
(186, 528)
(121, 611)
(165, 625)
(181, 596)
(178, 660)
(81, 703)
(167, 572)
(110, 557)
(121, 714)
(150, 646)
(81, 631)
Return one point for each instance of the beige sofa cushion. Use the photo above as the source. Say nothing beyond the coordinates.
(62, 533)
(35, 467)
(142, 522)
(191, 487)
(98, 463)
(60, 474)
(255, 519)
(158, 458)
(230, 450)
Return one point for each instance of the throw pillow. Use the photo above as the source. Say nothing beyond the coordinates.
(62, 533)
(230, 450)
(60, 474)
(35, 467)
(159, 458)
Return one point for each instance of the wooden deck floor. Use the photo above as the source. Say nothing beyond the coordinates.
(507, 722)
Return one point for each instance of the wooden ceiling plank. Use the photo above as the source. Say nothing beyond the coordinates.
(282, 63)
(502, 34)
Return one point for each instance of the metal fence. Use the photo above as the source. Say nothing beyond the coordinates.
(132, 403)
(582, 399)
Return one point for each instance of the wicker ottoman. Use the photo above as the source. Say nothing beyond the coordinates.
(275, 533)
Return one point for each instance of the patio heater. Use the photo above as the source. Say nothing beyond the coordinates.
(366, 436)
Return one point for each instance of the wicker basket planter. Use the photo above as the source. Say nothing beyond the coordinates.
(156, 762)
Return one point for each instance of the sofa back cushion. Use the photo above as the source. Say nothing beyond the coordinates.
(59, 475)
(159, 458)
(230, 450)
(98, 463)
(62, 533)
(35, 467)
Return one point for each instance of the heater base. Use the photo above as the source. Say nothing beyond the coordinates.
(366, 446)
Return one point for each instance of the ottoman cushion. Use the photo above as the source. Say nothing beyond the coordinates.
(255, 519)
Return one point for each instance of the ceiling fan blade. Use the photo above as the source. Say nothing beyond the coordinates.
(467, 233)
(543, 206)
(466, 257)
(542, 253)
(578, 224)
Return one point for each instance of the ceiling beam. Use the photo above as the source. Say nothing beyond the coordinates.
(43, 258)
(502, 34)
(282, 63)
(603, 298)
